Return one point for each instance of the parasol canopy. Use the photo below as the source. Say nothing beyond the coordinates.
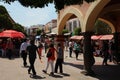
(12, 34)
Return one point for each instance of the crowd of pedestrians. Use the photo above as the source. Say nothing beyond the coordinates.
(28, 48)
(106, 50)
(75, 47)
(9, 47)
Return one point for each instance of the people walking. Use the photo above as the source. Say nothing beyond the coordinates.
(46, 46)
(59, 60)
(66, 43)
(51, 59)
(105, 49)
(23, 51)
(111, 51)
(40, 48)
(9, 48)
(32, 49)
(47, 42)
(70, 48)
(76, 49)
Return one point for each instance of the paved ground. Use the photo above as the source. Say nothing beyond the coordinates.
(14, 70)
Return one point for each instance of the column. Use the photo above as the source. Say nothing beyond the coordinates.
(117, 47)
(88, 54)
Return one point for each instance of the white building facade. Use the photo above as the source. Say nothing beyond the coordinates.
(72, 24)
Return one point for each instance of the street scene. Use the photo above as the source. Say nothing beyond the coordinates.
(59, 39)
(72, 68)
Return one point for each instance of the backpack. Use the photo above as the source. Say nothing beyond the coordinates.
(49, 54)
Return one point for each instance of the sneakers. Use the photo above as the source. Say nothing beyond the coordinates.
(51, 74)
(28, 71)
(44, 71)
(34, 75)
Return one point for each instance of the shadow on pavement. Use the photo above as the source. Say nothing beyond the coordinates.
(60, 75)
(57, 76)
(74, 65)
(25, 66)
(65, 74)
(109, 72)
(37, 77)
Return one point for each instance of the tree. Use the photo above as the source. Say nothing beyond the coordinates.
(5, 21)
(77, 31)
(3, 10)
(65, 31)
(59, 4)
(102, 28)
(18, 27)
(39, 31)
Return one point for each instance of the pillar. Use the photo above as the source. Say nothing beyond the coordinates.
(117, 46)
(88, 54)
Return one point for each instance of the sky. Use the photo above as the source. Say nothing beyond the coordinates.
(27, 16)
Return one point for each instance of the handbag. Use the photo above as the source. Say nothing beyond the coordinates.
(49, 54)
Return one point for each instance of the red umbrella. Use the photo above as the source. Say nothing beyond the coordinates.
(12, 34)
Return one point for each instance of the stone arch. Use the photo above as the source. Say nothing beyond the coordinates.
(92, 14)
(68, 12)
(113, 8)
(109, 23)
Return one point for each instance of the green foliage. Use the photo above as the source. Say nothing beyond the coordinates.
(89, 0)
(39, 31)
(34, 3)
(3, 10)
(65, 31)
(18, 27)
(5, 22)
(59, 4)
(102, 28)
(77, 31)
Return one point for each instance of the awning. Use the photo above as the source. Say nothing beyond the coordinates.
(96, 37)
(76, 37)
(106, 37)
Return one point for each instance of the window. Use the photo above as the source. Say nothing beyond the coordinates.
(74, 24)
(70, 26)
